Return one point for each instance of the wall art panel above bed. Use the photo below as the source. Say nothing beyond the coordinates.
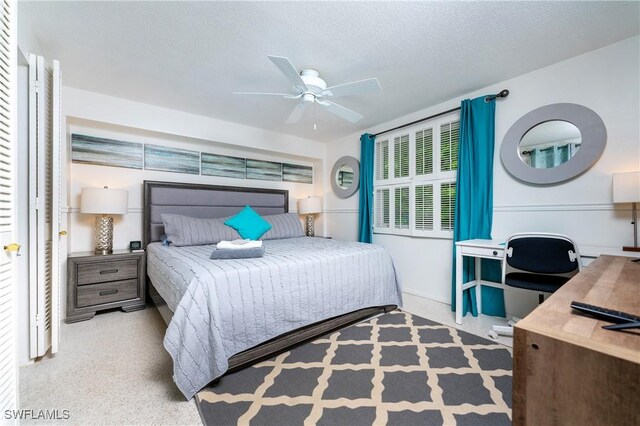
(264, 170)
(296, 173)
(106, 152)
(167, 159)
(223, 165)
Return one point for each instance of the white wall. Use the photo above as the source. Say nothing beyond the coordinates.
(605, 80)
(104, 116)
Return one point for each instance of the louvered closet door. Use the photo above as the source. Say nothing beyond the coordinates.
(43, 283)
(8, 76)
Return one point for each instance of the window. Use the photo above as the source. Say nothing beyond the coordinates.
(401, 202)
(415, 179)
(401, 156)
(382, 159)
(382, 208)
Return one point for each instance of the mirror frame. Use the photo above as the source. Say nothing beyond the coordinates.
(352, 162)
(594, 139)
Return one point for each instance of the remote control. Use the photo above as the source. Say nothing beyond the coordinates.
(604, 313)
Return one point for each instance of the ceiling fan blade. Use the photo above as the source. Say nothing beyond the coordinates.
(289, 71)
(263, 93)
(296, 114)
(341, 111)
(369, 85)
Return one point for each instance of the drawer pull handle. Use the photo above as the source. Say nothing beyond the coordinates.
(495, 253)
(108, 292)
(108, 271)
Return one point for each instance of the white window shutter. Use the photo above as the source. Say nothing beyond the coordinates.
(449, 135)
(401, 205)
(382, 160)
(424, 208)
(401, 156)
(424, 152)
(447, 205)
(382, 208)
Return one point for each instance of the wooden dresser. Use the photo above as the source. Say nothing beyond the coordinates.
(97, 282)
(567, 369)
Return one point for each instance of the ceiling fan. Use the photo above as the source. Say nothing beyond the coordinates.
(309, 88)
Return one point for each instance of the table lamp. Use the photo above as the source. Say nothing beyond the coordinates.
(309, 206)
(626, 189)
(104, 202)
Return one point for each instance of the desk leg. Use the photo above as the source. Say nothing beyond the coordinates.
(479, 284)
(458, 286)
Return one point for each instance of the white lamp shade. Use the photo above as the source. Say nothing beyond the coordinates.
(104, 201)
(626, 187)
(309, 205)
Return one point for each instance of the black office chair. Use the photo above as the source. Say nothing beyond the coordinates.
(540, 262)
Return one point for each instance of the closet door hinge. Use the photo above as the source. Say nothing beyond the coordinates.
(39, 320)
(36, 86)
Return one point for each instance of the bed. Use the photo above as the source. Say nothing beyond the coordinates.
(224, 314)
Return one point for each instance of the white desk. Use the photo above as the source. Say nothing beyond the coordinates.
(479, 249)
(494, 249)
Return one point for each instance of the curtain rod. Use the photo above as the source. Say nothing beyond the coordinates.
(503, 94)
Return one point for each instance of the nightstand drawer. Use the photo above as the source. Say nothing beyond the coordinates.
(97, 294)
(99, 272)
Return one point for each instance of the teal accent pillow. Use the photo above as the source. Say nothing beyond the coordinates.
(249, 224)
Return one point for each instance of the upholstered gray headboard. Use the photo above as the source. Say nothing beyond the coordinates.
(204, 201)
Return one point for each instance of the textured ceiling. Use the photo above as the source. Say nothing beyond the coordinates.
(191, 56)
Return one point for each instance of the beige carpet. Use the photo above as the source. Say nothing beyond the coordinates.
(111, 369)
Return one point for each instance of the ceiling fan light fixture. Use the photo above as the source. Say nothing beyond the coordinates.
(313, 81)
(308, 86)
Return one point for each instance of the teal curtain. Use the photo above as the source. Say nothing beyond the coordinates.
(553, 156)
(474, 202)
(365, 210)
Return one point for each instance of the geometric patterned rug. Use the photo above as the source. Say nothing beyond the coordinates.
(395, 369)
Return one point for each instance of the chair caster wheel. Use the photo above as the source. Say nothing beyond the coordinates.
(493, 335)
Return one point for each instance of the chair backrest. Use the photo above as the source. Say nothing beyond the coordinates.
(542, 253)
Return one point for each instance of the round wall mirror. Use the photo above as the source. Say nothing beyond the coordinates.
(345, 176)
(553, 144)
(550, 144)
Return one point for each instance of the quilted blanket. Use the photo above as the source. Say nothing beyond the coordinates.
(223, 307)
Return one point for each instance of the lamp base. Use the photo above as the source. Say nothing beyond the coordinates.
(310, 231)
(104, 235)
(630, 248)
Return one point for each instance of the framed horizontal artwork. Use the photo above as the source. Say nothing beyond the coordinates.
(297, 173)
(175, 160)
(264, 170)
(223, 165)
(106, 152)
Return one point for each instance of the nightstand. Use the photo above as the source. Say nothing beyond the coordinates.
(97, 282)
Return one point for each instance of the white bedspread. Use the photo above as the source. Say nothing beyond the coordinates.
(223, 307)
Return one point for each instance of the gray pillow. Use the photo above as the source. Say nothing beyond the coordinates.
(241, 253)
(192, 231)
(285, 225)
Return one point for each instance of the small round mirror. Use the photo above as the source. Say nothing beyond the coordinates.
(344, 177)
(549, 144)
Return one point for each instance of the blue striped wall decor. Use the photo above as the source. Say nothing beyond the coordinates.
(264, 170)
(106, 152)
(223, 165)
(297, 173)
(175, 160)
